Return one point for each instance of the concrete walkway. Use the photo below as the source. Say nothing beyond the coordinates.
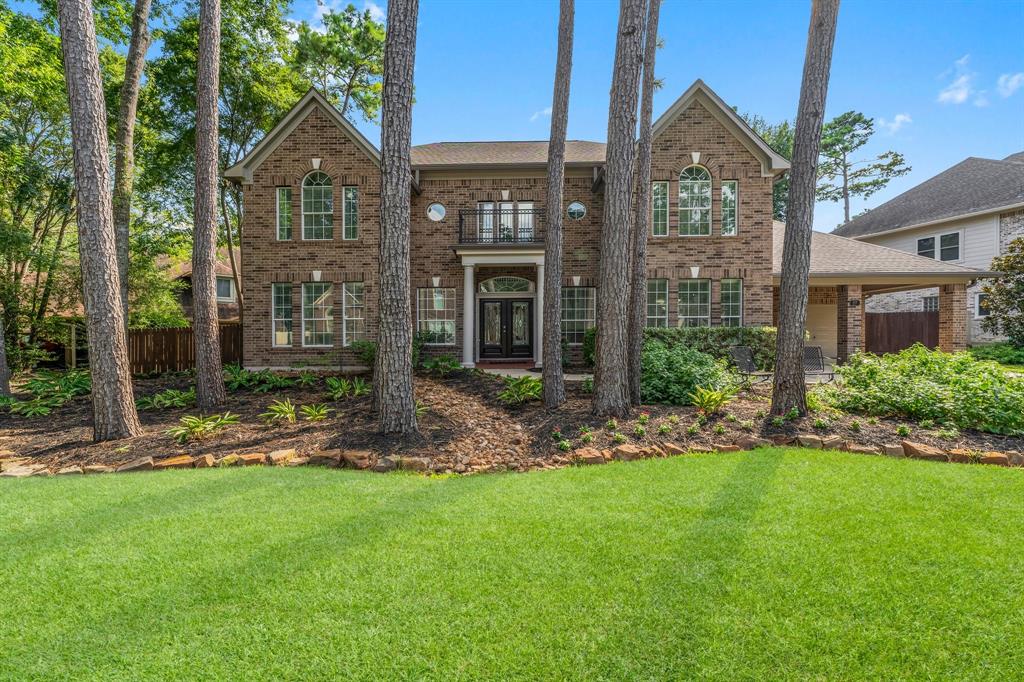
(516, 372)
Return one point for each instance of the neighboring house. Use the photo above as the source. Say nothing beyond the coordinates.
(965, 215)
(227, 296)
(311, 191)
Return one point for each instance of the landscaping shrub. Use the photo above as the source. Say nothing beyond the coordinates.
(673, 373)
(714, 341)
(1006, 353)
(917, 383)
(519, 390)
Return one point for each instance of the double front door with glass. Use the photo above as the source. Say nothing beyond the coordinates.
(506, 328)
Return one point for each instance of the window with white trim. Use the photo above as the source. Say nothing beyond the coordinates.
(926, 247)
(695, 201)
(284, 213)
(732, 302)
(695, 303)
(317, 314)
(435, 315)
(657, 303)
(578, 313)
(981, 308)
(225, 290)
(281, 314)
(730, 200)
(948, 246)
(350, 212)
(659, 209)
(930, 304)
(317, 206)
(485, 221)
(353, 313)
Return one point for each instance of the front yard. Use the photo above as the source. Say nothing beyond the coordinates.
(773, 563)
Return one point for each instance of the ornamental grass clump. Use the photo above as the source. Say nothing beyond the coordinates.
(921, 384)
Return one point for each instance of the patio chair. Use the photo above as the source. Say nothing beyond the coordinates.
(814, 364)
(743, 358)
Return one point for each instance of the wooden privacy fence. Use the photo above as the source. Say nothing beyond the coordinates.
(172, 349)
(892, 332)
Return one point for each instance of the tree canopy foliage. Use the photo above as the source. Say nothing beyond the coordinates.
(1005, 295)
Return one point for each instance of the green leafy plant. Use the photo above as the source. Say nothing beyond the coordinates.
(948, 433)
(713, 341)
(619, 437)
(266, 381)
(556, 434)
(672, 374)
(564, 445)
(316, 412)
(587, 385)
(639, 431)
(673, 419)
(587, 438)
(63, 385)
(902, 430)
(442, 365)
(585, 430)
(360, 387)
(1005, 353)
(926, 423)
(338, 388)
(711, 401)
(872, 421)
(366, 352)
(519, 390)
(855, 426)
(37, 407)
(279, 411)
(718, 429)
(821, 424)
(731, 418)
(792, 415)
(196, 428)
(643, 418)
(693, 429)
(778, 422)
(306, 379)
(236, 378)
(611, 425)
(747, 424)
(664, 429)
(169, 398)
(421, 409)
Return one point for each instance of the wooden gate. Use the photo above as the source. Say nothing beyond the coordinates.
(892, 332)
(171, 349)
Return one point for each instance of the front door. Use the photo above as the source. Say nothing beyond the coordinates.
(506, 328)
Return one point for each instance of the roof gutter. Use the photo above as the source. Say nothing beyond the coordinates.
(938, 221)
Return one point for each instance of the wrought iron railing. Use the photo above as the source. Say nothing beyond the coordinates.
(501, 226)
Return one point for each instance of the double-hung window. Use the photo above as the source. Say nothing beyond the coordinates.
(578, 313)
(317, 206)
(350, 213)
(657, 303)
(659, 209)
(353, 313)
(284, 213)
(695, 201)
(732, 302)
(225, 290)
(981, 308)
(730, 199)
(435, 315)
(281, 314)
(695, 303)
(930, 304)
(317, 314)
(485, 221)
(946, 246)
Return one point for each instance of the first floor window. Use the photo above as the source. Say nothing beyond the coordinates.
(578, 313)
(282, 314)
(729, 200)
(225, 289)
(659, 209)
(435, 315)
(350, 213)
(317, 314)
(981, 308)
(695, 303)
(353, 320)
(284, 213)
(930, 304)
(732, 302)
(657, 303)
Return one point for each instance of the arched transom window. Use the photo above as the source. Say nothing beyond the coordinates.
(505, 285)
(317, 206)
(694, 201)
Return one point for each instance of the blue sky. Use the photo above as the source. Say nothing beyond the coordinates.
(928, 72)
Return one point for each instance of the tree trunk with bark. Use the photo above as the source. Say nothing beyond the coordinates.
(113, 404)
(789, 390)
(124, 141)
(393, 390)
(642, 212)
(611, 380)
(5, 370)
(205, 325)
(554, 382)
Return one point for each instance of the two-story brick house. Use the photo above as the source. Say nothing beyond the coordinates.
(311, 223)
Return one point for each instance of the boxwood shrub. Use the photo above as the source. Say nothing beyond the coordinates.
(917, 383)
(714, 341)
(670, 373)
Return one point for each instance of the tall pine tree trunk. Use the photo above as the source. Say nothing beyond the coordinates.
(124, 141)
(5, 370)
(789, 390)
(113, 404)
(554, 383)
(205, 328)
(393, 392)
(642, 213)
(611, 380)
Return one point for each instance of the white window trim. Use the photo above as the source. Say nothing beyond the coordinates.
(648, 303)
(302, 210)
(302, 315)
(345, 340)
(736, 207)
(668, 212)
(977, 306)
(231, 283)
(455, 311)
(344, 213)
(593, 321)
(274, 319)
(721, 305)
(937, 236)
(277, 215)
(711, 204)
(679, 303)
(924, 304)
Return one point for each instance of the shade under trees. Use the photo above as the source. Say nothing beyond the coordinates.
(789, 389)
(554, 382)
(393, 389)
(114, 414)
(611, 381)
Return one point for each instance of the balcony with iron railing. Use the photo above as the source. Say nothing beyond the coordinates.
(501, 226)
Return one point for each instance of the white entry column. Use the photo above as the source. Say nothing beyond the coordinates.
(538, 347)
(468, 310)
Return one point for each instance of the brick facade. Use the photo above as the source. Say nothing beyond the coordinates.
(850, 321)
(952, 317)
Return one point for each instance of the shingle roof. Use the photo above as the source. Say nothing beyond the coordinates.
(503, 153)
(835, 255)
(972, 186)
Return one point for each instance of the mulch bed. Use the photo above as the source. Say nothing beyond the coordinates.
(465, 428)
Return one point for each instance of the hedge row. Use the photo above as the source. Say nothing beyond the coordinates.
(715, 341)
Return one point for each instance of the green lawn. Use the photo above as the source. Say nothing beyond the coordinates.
(776, 563)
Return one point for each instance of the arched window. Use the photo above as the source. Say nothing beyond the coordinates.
(505, 285)
(317, 206)
(694, 201)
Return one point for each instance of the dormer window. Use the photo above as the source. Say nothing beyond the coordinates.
(695, 201)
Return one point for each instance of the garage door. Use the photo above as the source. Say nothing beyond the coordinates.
(821, 325)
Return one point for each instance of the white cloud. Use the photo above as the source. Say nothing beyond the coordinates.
(897, 122)
(962, 86)
(981, 99)
(1009, 83)
(376, 11)
(546, 111)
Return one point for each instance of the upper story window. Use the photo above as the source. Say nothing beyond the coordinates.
(511, 222)
(695, 201)
(730, 199)
(350, 212)
(225, 289)
(946, 246)
(317, 206)
(284, 213)
(576, 210)
(659, 209)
